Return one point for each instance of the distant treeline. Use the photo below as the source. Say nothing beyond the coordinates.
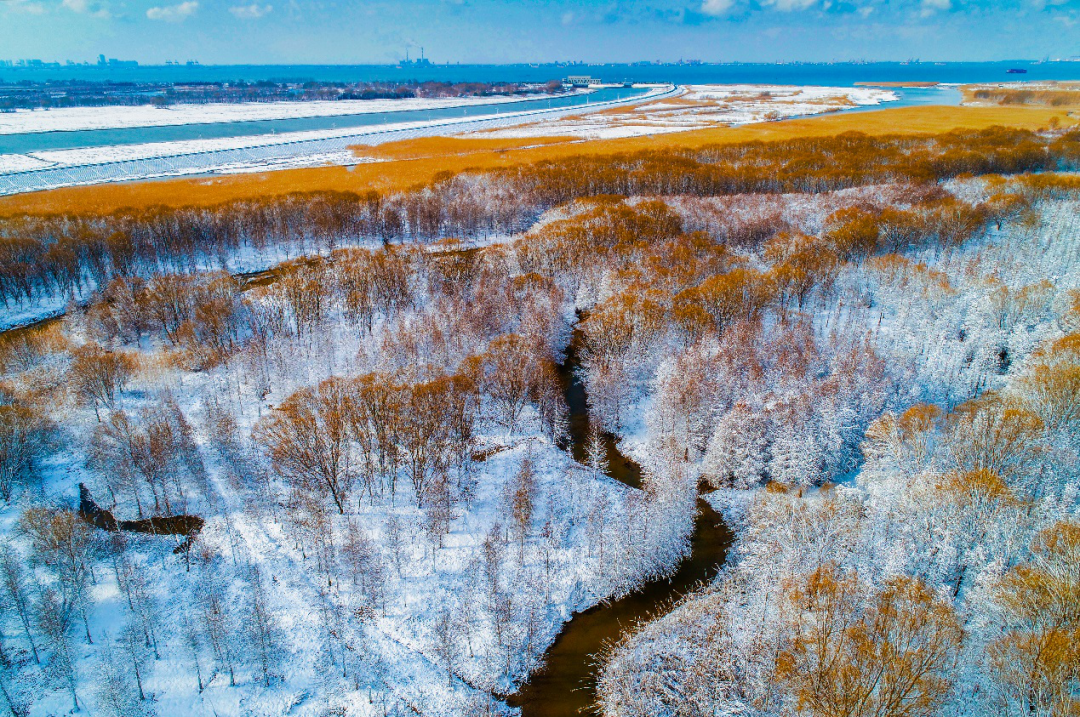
(79, 93)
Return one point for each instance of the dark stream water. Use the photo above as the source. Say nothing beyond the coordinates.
(566, 686)
(185, 525)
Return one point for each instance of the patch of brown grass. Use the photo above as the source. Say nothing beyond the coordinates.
(931, 119)
(445, 146)
(674, 103)
(1059, 95)
(413, 162)
(22, 348)
(898, 85)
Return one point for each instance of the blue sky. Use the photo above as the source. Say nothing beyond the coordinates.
(335, 31)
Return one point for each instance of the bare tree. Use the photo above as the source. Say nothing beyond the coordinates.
(522, 498)
(16, 703)
(157, 450)
(550, 403)
(116, 695)
(893, 653)
(308, 439)
(143, 610)
(216, 614)
(137, 650)
(491, 550)
(377, 403)
(365, 566)
(62, 541)
(24, 438)
(509, 374)
(194, 642)
(439, 508)
(17, 592)
(98, 375)
(55, 616)
(596, 450)
(262, 631)
(446, 646)
(394, 542)
(424, 436)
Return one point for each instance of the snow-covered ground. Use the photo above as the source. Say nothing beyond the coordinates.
(386, 639)
(943, 341)
(704, 106)
(395, 654)
(21, 163)
(70, 119)
(127, 152)
(340, 646)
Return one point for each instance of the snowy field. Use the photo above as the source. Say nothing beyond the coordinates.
(389, 646)
(72, 119)
(705, 106)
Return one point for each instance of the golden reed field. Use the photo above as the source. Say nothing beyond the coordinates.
(400, 165)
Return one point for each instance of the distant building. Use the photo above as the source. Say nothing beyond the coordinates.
(422, 62)
(581, 81)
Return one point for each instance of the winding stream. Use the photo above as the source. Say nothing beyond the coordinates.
(566, 686)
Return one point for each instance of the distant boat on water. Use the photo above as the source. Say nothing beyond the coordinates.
(1016, 71)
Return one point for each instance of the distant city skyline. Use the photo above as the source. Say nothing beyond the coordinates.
(484, 31)
(406, 62)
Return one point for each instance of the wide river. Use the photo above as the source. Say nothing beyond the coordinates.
(41, 141)
(45, 141)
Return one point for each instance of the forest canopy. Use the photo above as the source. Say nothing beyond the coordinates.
(354, 449)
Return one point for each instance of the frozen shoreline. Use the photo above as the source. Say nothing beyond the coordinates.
(76, 119)
(294, 149)
(706, 106)
(661, 110)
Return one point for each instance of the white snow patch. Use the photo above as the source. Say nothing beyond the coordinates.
(20, 163)
(704, 106)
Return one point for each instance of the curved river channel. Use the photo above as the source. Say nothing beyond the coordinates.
(566, 686)
(49, 141)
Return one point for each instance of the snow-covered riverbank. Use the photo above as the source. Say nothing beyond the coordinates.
(63, 168)
(705, 106)
(71, 119)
